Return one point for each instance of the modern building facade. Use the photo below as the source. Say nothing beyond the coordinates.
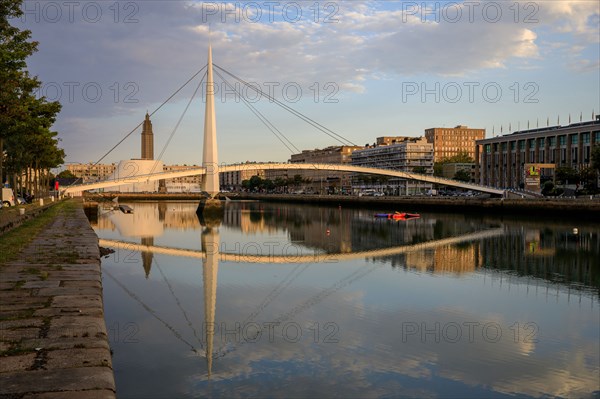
(233, 180)
(322, 181)
(186, 184)
(89, 172)
(387, 140)
(501, 160)
(448, 142)
(449, 170)
(413, 155)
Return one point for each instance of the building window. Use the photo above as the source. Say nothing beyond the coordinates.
(562, 140)
(513, 145)
(521, 145)
(541, 141)
(574, 139)
(586, 154)
(585, 138)
(552, 141)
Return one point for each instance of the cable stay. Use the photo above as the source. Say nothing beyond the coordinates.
(153, 313)
(152, 113)
(177, 124)
(315, 124)
(262, 118)
(275, 292)
(190, 325)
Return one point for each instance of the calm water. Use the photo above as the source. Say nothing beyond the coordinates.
(285, 300)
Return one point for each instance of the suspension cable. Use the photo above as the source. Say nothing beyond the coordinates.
(300, 115)
(260, 116)
(177, 124)
(152, 113)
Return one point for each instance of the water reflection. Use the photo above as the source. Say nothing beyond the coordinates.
(446, 305)
(553, 253)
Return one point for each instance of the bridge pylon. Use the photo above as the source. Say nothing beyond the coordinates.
(210, 157)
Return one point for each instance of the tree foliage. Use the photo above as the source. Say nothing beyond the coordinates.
(28, 146)
(596, 157)
(462, 175)
(461, 157)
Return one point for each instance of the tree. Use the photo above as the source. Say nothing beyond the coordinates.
(462, 175)
(66, 174)
(566, 174)
(588, 178)
(461, 157)
(420, 169)
(268, 184)
(28, 148)
(596, 157)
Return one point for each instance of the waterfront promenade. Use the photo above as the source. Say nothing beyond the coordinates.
(53, 338)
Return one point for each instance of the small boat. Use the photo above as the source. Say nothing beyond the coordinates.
(126, 209)
(397, 215)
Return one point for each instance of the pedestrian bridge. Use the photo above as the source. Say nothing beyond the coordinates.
(79, 188)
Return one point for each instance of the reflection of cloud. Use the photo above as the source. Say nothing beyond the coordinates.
(373, 358)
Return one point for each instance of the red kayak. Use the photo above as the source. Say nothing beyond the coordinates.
(397, 215)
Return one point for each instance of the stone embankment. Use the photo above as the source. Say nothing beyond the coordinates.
(53, 338)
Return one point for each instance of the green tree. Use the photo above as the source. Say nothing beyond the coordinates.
(588, 177)
(420, 169)
(462, 157)
(596, 157)
(28, 148)
(566, 174)
(462, 175)
(256, 182)
(66, 174)
(268, 184)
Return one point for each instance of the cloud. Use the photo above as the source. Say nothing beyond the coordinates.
(137, 53)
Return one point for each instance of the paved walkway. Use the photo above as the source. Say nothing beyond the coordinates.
(53, 339)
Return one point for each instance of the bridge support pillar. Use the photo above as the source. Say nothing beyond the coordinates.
(210, 209)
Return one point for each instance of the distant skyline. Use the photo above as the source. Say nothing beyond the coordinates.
(362, 69)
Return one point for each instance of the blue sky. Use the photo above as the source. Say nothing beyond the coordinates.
(381, 68)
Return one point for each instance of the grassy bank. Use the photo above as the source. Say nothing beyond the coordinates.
(12, 242)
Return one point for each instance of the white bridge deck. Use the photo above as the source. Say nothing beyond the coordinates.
(75, 189)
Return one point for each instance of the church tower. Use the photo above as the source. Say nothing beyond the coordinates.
(147, 139)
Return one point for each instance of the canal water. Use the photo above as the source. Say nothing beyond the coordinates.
(282, 300)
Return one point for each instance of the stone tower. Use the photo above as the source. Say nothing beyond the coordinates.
(147, 139)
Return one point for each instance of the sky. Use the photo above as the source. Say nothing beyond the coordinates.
(362, 69)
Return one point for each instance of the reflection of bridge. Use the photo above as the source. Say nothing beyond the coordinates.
(296, 258)
(211, 169)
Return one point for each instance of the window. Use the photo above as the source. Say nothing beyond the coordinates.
(585, 138)
(521, 145)
(574, 139)
(562, 140)
(541, 141)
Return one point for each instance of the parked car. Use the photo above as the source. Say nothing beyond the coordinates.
(378, 194)
(8, 197)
